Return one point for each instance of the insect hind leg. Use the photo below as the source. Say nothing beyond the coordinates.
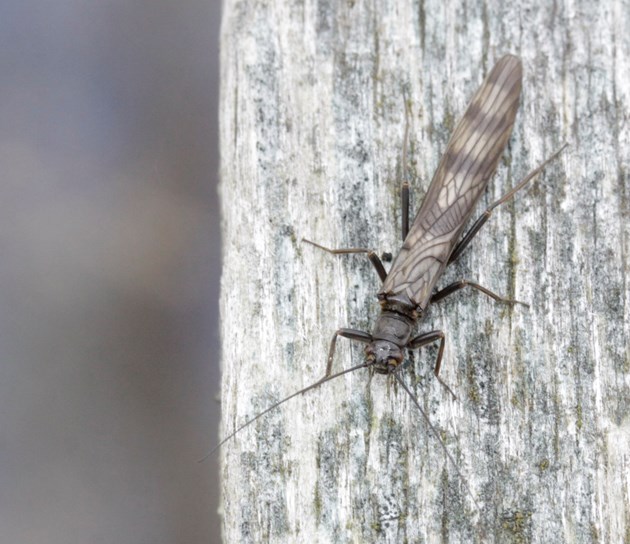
(373, 257)
(404, 191)
(481, 220)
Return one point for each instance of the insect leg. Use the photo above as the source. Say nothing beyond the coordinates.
(404, 195)
(404, 192)
(373, 257)
(463, 243)
(428, 338)
(352, 334)
(456, 286)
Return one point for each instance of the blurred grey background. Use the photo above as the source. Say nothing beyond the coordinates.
(109, 271)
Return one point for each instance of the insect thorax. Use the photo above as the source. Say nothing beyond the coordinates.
(391, 334)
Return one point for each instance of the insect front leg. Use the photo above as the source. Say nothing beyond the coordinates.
(456, 286)
(373, 257)
(429, 338)
(352, 334)
(481, 220)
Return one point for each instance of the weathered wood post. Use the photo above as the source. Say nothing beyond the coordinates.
(312, 122)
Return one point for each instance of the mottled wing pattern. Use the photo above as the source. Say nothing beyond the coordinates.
(469, 161)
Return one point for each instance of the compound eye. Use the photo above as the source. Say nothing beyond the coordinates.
(392, 362)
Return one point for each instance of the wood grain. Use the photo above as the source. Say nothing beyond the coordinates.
(312, 122)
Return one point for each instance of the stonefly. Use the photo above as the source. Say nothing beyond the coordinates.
(434, 240)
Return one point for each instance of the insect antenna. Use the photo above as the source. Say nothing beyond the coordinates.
(437, 435)
(275, 405)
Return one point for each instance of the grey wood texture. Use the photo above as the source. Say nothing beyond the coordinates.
(312, 123)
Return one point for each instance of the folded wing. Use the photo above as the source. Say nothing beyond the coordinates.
(470, 159)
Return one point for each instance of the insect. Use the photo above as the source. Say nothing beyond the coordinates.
(434, 240)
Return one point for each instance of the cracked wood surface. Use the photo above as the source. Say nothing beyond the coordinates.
(312, 123)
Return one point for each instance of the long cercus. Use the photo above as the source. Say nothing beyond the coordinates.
(435, 239)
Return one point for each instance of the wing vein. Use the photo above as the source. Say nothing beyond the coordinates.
(470, 159)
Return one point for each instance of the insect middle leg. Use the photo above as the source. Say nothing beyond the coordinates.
(373, 257)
